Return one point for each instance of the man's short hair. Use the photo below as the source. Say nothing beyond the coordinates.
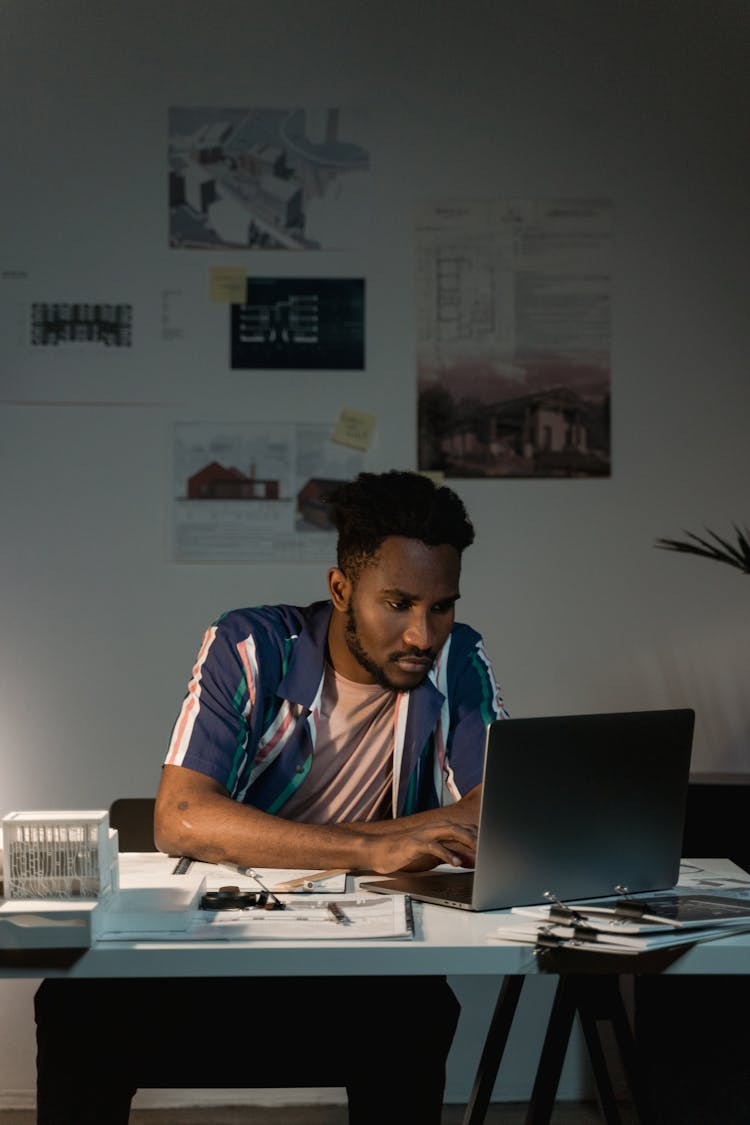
(374, 506)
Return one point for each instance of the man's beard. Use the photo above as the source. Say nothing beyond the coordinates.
(377, 672)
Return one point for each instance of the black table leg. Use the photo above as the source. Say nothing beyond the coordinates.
(596, 998)
(553, 1053)
(599, 1000)
(590, 1016)
(492, 1053)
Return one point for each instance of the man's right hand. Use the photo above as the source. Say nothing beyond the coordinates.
(420, 848)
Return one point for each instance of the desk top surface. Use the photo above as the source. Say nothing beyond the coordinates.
(446, 941)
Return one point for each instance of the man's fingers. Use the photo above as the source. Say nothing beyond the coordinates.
(425, 847)
(458, 835)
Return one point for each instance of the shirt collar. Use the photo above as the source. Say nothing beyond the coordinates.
(307, 665)
(307, 660)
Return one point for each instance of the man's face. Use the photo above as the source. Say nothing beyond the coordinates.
(393, 620)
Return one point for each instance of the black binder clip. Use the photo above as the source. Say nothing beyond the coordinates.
(229, 898)
(547, 940)
(232, 898)
(270, 901)
(627, 907)
(561, 912)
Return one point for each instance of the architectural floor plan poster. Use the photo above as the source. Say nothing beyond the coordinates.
(80, 325)
(514, 332)
(271, 179)
(256, 492)
(302, 323)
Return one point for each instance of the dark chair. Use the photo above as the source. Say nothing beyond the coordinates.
(718, 809)
(133, 817)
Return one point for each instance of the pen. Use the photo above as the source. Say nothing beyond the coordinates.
(338, 914)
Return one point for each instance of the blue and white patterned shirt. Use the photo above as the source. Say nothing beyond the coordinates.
(249, 718)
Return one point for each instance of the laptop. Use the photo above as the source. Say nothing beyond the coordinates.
(574, 805)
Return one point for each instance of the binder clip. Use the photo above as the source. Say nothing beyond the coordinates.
(546, 940)
(232, 898)
(627, 907)
(228, 898)
(270, 901)
(561, 912)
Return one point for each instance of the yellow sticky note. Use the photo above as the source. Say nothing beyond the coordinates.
(229, 285)
(354, 429)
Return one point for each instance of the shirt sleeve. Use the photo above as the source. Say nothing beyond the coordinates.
(476, 701)
(210, 733)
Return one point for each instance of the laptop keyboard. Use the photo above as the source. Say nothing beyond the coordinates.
(456, 885)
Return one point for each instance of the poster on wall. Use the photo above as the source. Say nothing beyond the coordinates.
(300, 323)
(84, 324)
(514, 337)
(256, 492)
(268, 179)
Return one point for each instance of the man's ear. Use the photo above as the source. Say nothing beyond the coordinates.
(340, 589)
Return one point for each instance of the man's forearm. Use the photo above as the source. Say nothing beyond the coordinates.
(196, 816)
(212, 827)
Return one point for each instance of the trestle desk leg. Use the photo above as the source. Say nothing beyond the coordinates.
(601, 999)
(492, 1052)
(589, 1018)
(553, 1053)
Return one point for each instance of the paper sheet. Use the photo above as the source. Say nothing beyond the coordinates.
(149, 869)
(365, 916)
(306, 918)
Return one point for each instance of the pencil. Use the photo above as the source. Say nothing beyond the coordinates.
(307, 882)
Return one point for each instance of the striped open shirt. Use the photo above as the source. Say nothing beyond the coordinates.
(249, 718)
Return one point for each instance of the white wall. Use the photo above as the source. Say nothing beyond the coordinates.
(644, 103)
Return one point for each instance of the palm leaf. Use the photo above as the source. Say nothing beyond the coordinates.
(720, 550)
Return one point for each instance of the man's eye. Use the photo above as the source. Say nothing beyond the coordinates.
(400, 607)
(443, 607)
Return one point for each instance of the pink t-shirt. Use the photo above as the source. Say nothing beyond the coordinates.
(352, 767)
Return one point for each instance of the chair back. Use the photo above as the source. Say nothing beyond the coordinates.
(133, 817)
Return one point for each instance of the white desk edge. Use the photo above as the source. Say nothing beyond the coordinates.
(447, 941)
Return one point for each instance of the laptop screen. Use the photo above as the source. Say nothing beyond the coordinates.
(574, 805)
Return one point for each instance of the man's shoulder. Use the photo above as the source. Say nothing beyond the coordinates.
(280, 621)
(452, 659)
(464, 636)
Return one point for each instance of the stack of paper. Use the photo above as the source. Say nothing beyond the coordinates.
(629, 925)
(48, 923)
(156, 909)
(161, 898)
(346, 917)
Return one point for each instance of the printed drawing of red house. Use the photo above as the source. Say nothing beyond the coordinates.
(312, 504)
(217, 482)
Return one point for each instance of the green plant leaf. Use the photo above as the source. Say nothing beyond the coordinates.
(736, 556)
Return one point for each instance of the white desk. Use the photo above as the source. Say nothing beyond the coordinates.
(449, 941)
(446, 941)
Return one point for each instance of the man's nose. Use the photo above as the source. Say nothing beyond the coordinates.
(418, 632)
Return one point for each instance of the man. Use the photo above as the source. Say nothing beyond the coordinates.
(349, 733)
(307, 735)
